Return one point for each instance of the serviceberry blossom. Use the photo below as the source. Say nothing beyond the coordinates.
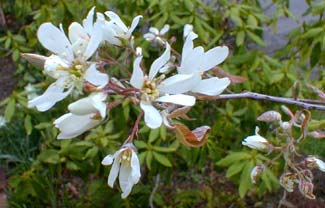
(195, 61)
(117, 29)
(85, 114)
(126, 165)
(154, 35)
(69, 63)
(256, 141)
(158, 89)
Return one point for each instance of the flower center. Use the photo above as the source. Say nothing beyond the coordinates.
(149, 91)
(126, 156)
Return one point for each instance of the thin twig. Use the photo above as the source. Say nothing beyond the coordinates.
(258, 96)
(154, 190)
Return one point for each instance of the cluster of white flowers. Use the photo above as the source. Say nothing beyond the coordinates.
(296, 174)
(75, 66)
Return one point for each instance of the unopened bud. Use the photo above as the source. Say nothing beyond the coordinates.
(256, 141)
(285, 126)
(257, 172)
(270, 116)
(313, 162)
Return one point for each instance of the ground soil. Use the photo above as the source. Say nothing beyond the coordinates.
(7, 79)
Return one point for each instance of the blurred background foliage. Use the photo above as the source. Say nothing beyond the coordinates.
(45, 172)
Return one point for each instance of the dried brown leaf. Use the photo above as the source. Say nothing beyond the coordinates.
(234, 79)
(195, 138)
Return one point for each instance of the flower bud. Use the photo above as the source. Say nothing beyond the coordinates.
(256, 141)
(270, 116)
(257, 172)
(313, 162)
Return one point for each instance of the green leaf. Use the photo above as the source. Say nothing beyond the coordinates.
(153, 135)
(72, 166)
(164, 149)
(245, 180)
(232, 158)
(162, 159)
(92, 152)
(10, 109)
(312, 32)
(149, 159)
(256, 38)
(234, 169)
(49, 156)
(28, 124)
(140, 144)
(240, 37)
(315, 54)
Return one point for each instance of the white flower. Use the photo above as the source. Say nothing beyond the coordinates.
(115, 29)
(69, 65)
(2, 121)
(314, 162)
(196, 61)
(85, 114)
(160, 89)
(154, 35)
(256, 141)
(125, 164)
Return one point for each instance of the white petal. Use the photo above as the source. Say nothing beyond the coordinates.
(125, 179)
(159, 62)
(53, 67)
(137, 77)
(179, 83)
(114, 171)
(95, 77)
(108, 160)
(72, 125)
(134, 24)
(188, 45)
(214, 57)
(88, 22)
(149, 36)
(76, 32)
(135, 165)
(164, 30)
(109, 33)
(52, 95)
(83, 106)
(212, 86)
(179, 99)
(55, 40)
(98, 102)
(96, 38)
(154, 31)
(117, 20)
(152, 116)
(187, 29)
